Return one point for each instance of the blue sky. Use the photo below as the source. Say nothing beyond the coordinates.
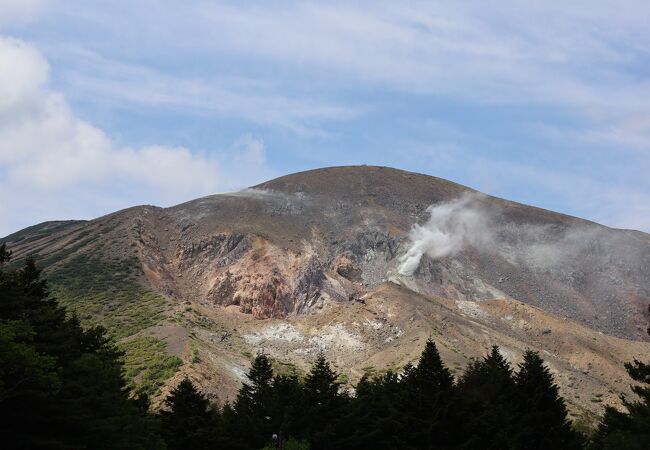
(108, 104)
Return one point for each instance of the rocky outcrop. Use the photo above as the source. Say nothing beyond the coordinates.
(345, 267)
(217, 250)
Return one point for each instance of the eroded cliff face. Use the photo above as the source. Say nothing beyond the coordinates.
(268, 282)
(261, 277)
(267, 278)
(249, 271)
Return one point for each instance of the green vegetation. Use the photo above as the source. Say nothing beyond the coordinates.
(188, 421)
(107, 293)
(61, 386)
(423, 407)
(286, 368)
(628, 429)
(290, 444)
(196, 356)
(148, 365)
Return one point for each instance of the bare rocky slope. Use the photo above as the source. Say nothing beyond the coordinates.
(314, 262)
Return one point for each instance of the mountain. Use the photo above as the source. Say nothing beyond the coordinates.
(363, 263)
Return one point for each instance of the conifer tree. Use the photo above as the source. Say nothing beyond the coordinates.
(487, 403)
(253, 394)
(188, 421)
(429, 390)
(631, 429)
(251, 421)
(5, 255)
(542, 421)
(323, 400)
(374, 418)
(62, 386)
(287, 407)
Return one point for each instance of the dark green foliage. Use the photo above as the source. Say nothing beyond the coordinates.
(283, 406)
(375, 417)
(542, 420)
(254, 395)
(487, 403)
(287, 406)
(61, 386)
(420, 408)
(22, 368)
(252, 419)
(188, 422)
(428, 396)
(5, 255)
(631, 429)
(290, 444)
(323, 400)
(148, 365)
(265, 406)
(107, 292)
(414, 410)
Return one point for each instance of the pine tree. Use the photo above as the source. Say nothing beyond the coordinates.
(251, 418)
(322, 385)
(188, 421)
(253, 394)
(23, 370)
(429, 390)
(487, 403)
(373, 418)
(542, 415)
(323, 400)
(287, 407)
(5, 255)
(631, 429)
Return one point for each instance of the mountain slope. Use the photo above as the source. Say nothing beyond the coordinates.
(296, 265)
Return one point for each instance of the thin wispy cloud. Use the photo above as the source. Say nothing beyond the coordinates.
(242, 98)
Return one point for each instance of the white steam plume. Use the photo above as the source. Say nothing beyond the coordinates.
(451, 226)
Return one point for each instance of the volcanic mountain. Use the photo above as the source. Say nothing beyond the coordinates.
(362, 263)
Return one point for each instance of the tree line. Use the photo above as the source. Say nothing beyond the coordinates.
(62, 387)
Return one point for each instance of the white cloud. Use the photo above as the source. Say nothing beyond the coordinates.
(438, 46)
(49, 157)
(249, 150)
(580, 56)
(23, 73)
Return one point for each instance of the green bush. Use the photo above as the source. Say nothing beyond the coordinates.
(108, 294)
(148, 365)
